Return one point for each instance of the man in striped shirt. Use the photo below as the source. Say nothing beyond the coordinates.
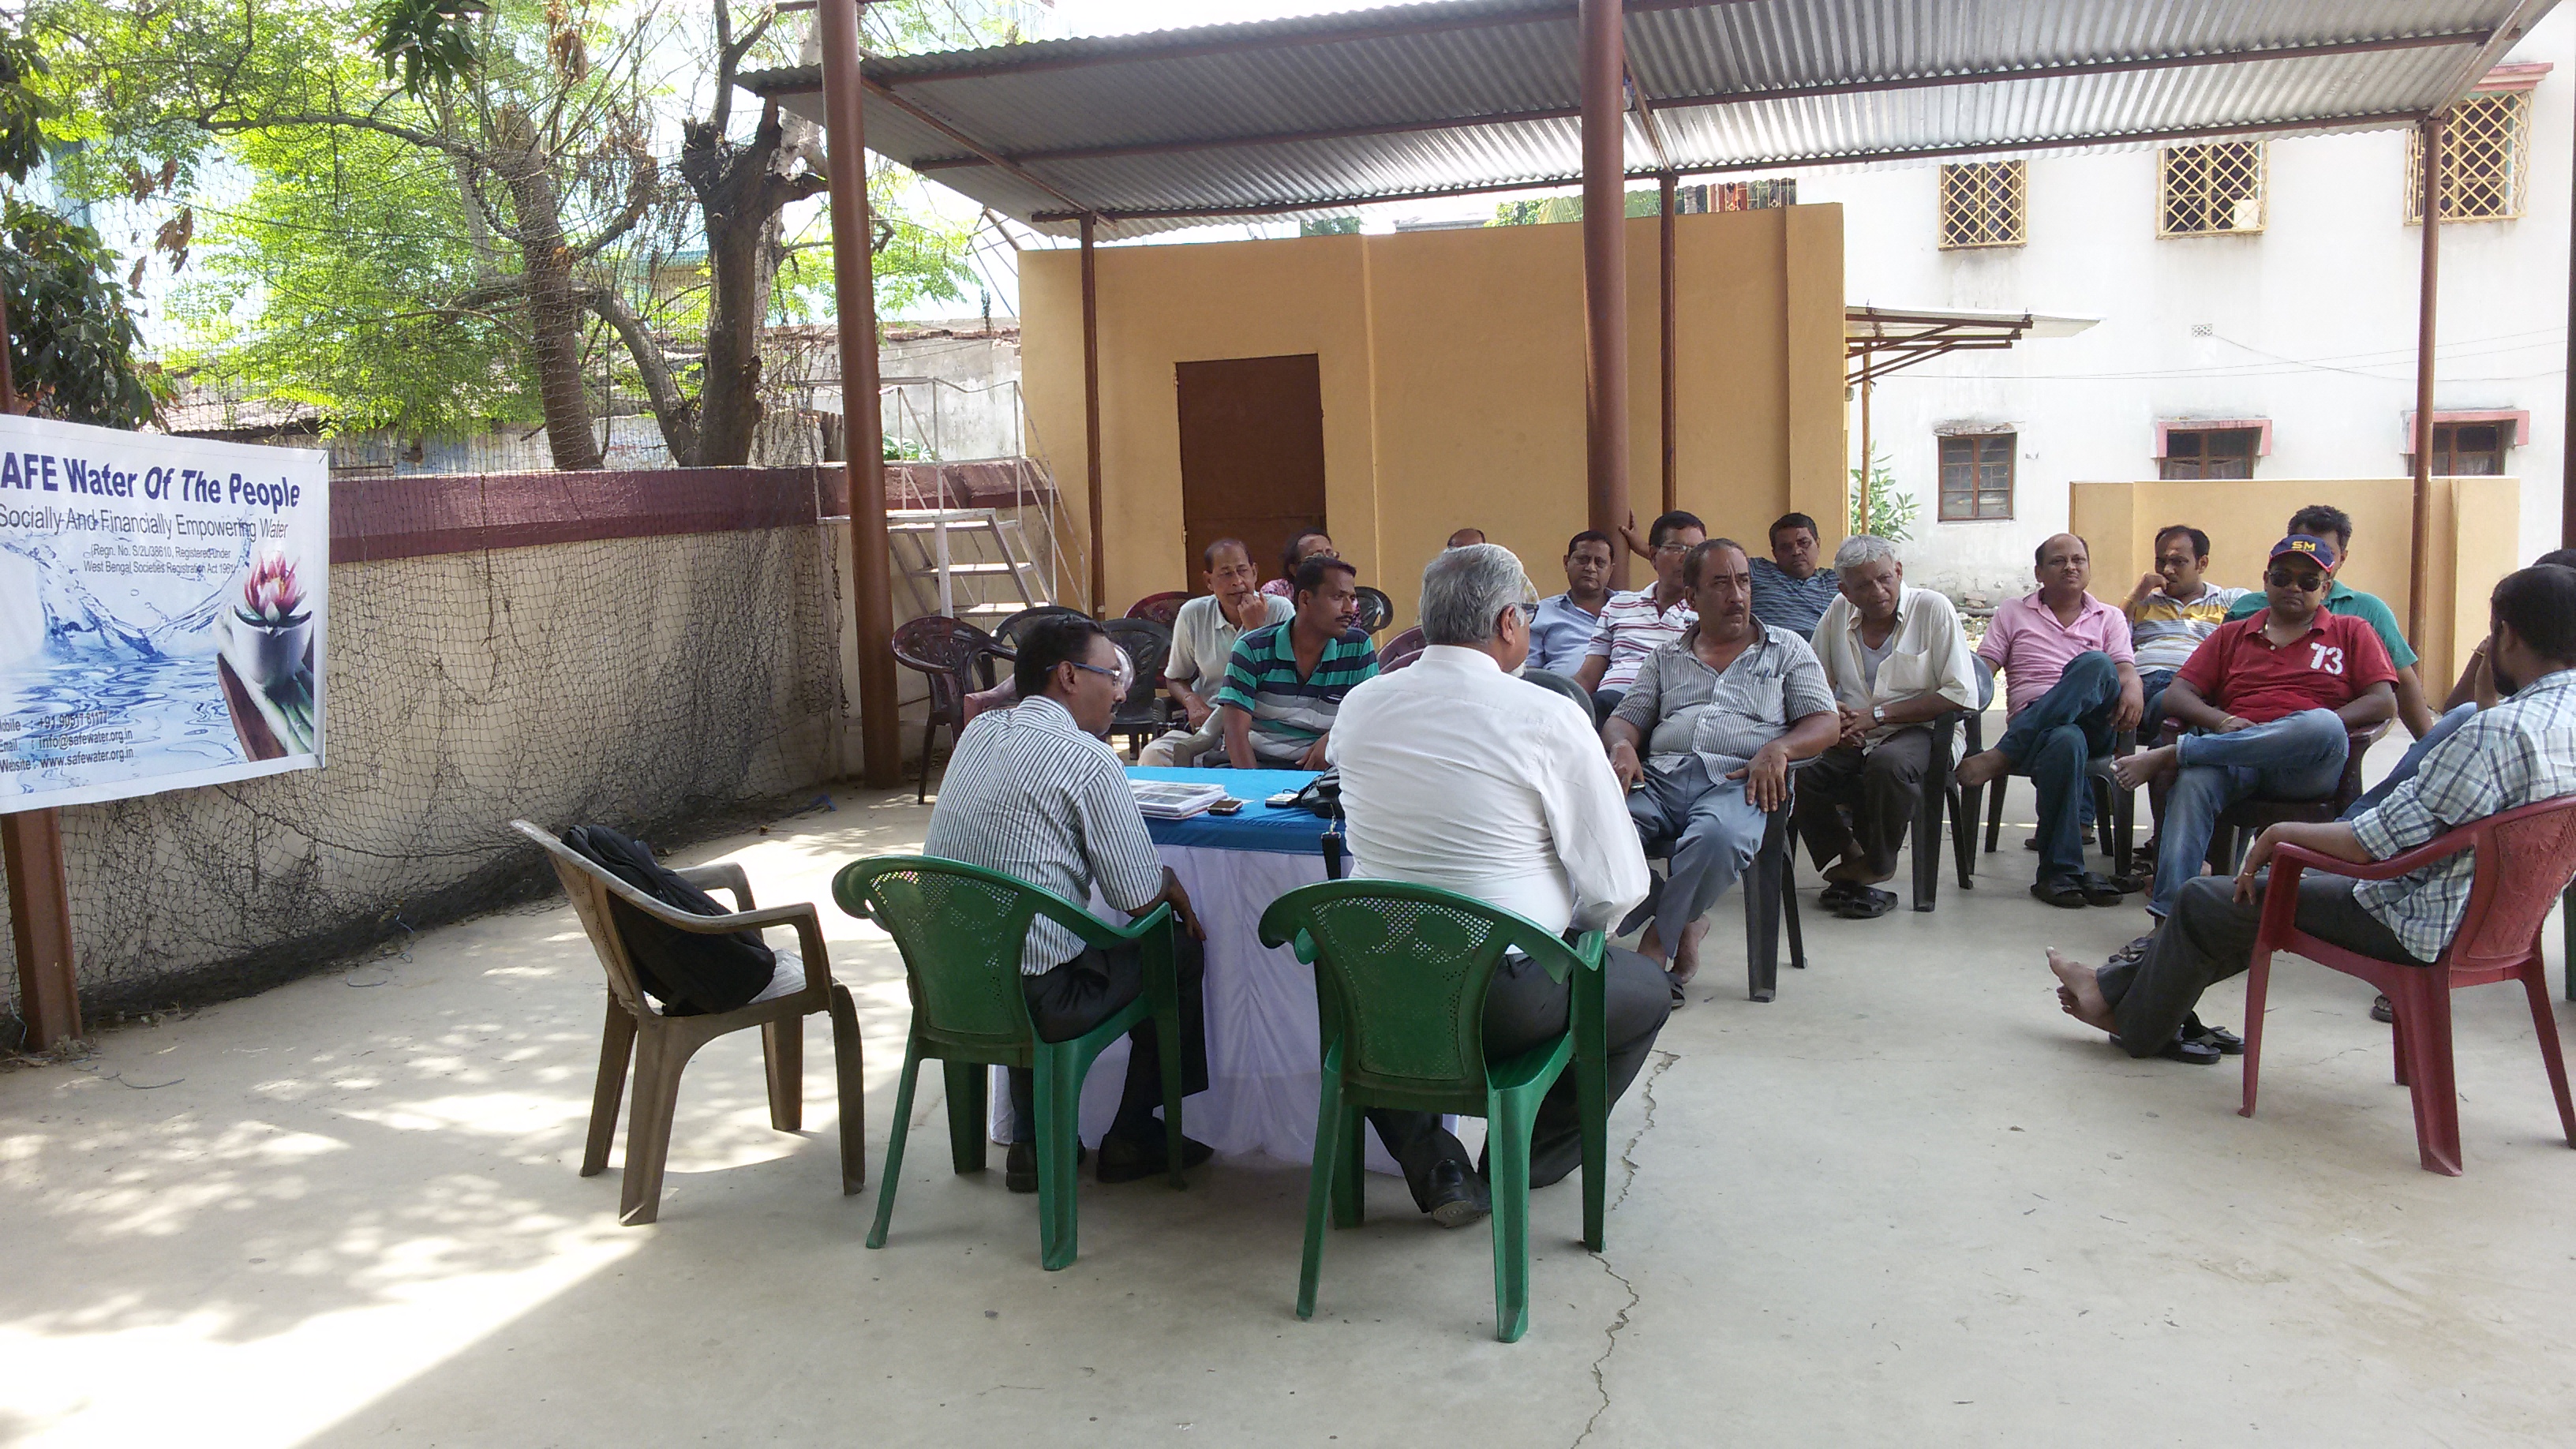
(2519, 753)
(1034, 792)
(1635, 625)
(1285, 682)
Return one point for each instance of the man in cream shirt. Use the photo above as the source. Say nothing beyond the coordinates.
(1456, 774)
(1895, 658)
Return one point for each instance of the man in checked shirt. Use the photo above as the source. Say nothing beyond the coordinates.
(2519, 753)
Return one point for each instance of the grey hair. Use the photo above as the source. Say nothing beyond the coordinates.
(1864, 548)
(1465, 589)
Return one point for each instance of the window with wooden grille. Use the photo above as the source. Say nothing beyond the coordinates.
(1984, 204)
(1977, 476)
(2486, 159)
(2213, 190)
(2468, 450)
(2209, 452)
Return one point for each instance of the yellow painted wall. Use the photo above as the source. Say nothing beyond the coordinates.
(2474, 526)
(1452, 370)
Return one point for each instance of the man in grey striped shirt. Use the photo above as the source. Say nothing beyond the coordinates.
(1033, 792)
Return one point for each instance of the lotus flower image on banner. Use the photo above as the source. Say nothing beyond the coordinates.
(163, 605)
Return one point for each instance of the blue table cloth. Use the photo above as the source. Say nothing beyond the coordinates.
(1295, 831)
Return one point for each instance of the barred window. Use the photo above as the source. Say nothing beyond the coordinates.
(2469, 450)
(1977, 476)
(2212, 190)
(1984, 204)
(2486, 159)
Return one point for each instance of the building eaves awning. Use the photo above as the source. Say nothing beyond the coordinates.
(1319, 114)
(1880, 340)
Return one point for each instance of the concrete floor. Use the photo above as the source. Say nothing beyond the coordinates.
(1907, 1203)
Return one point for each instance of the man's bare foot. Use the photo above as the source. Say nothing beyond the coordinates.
(1686, 956)
(2079, 990)
(1982, 768)
(1651, 945)
(2135, 770)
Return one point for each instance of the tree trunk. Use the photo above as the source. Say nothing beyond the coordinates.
(740, 194)
(555, 309)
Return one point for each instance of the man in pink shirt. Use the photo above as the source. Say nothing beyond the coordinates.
(2071, 686)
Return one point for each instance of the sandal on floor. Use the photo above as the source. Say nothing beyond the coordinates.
(2099, 891)
(2134, 951)
(1837, 892)
(2217, 1038)
(2066, 893)
(1868, 905)
(2191, 1052)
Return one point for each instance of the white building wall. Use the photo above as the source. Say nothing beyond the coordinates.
(2310, 323)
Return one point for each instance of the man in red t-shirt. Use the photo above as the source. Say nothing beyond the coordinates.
(2269, 700)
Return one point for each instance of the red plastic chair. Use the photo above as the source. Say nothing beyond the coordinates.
(1161, 608)
(2525, 857)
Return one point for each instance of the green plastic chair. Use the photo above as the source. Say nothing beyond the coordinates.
(1400, 979)
(960, 929)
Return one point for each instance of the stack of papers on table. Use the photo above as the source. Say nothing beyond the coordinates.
(1174, 799)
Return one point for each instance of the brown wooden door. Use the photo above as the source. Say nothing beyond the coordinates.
(1252, 454)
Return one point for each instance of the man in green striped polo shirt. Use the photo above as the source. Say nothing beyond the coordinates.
(1285, 682)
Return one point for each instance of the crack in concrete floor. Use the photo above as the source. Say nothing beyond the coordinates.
(1600, 1366)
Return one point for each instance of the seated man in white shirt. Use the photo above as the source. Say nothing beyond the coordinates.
(1203, 639)
(1895, 657)
(1457, 775)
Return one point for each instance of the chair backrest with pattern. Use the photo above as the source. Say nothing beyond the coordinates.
(960, 929)
(1147, 646)
(1009, 632)
(1400, 976)
(1161, 608)
(1400, 650)
(2525, 857)
(947, 651)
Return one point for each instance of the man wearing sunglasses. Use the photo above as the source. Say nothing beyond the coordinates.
(2269, 701)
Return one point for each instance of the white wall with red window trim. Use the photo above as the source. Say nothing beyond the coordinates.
(2305, 330)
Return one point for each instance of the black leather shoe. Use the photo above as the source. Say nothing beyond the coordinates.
(1458, 1197)
(2066, 893)
(1125, 1159)
(1020, 1165)
(2219, 1038)
(2100, 890)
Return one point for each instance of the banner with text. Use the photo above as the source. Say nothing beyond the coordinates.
(162, 603)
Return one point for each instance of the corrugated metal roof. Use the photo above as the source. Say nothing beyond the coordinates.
(1321, 113)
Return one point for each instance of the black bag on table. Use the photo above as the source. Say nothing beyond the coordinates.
(689, 973)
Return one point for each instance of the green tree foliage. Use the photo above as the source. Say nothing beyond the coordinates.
(1539, 210)
(71, 339)
(1891, 512)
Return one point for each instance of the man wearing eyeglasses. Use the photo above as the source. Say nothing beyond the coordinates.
(1635, 625)
(2270, 700)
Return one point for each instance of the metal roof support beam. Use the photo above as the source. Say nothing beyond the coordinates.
(1091, 416)
(1723, 98)
(1670, 352)
(854, 292)
(2419, 576)
(1602, 48)
(1915, 153)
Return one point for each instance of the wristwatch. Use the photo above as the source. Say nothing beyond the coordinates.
(1878, 714)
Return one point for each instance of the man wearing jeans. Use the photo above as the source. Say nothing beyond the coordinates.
(2519, 753)
(2072, 687)
(2270, 700)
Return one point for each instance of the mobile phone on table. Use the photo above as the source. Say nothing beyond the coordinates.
(1282, 800)
(1226, 806)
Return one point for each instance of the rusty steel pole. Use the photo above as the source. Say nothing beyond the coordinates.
(1671, 352)
(854, 291)
(2567, 419)
(2419, 577)
(1091, 415)
(1605, 275)
(31, 860)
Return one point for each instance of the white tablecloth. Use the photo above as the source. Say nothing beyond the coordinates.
(1264, 1045)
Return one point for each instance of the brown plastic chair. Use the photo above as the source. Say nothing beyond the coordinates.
(662, 1045)
(1400, 651)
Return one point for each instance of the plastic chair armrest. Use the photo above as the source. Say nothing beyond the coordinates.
(2404, 862)
(723, 873)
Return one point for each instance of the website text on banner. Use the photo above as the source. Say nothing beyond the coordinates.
(162, 610)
